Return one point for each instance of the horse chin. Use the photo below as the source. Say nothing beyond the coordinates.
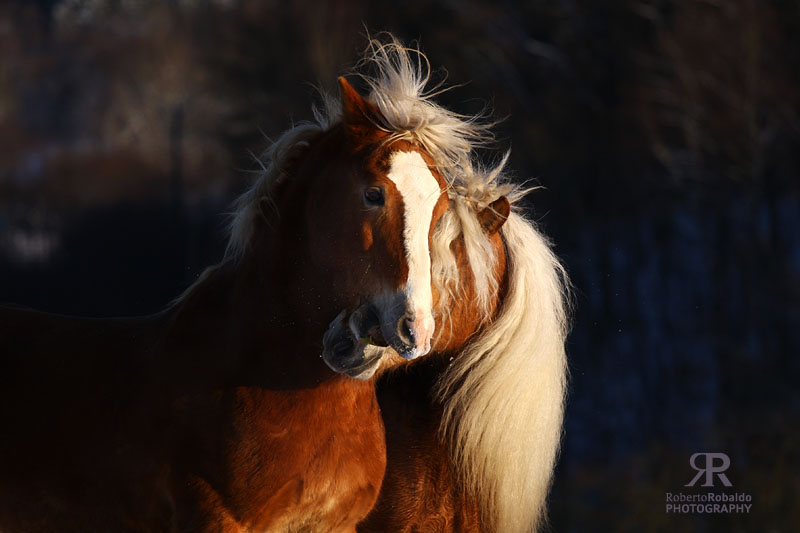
(372, 356)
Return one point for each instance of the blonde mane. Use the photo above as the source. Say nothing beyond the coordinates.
(503, 396)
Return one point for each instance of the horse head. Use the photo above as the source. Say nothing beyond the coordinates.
(361, 208)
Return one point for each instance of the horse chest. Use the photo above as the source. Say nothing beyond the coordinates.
(310, 460)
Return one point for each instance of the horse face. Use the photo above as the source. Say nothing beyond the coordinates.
(392, 201)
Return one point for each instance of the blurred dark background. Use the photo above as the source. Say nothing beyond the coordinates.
(666, 134)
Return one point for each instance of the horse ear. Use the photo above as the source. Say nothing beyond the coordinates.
(494, 215)
(358, 115)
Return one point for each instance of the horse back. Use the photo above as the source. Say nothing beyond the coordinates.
(40, 350)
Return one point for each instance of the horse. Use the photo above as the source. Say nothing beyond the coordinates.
(473, 429)
(249, 403)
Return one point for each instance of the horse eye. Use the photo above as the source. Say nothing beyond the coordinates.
(374, 196)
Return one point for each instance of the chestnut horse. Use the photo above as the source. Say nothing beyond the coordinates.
(472, 429)
(224, 413)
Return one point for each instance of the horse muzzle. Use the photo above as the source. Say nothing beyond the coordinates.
(390, 321)
(354, 344)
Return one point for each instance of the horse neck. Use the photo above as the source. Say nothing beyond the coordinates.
(235, 327)
(463, 319)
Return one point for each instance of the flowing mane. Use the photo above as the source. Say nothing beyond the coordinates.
(503, 396)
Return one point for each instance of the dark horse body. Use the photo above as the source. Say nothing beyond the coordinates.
(132, 428)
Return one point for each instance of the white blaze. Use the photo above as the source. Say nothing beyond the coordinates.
(420, 192)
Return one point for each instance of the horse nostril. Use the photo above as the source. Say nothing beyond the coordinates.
(405, 332)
